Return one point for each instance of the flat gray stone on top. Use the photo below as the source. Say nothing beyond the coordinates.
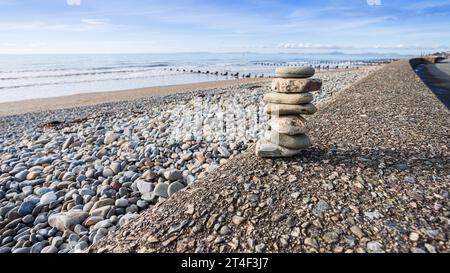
(295, 72)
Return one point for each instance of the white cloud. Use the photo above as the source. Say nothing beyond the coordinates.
(374, 2)
(83, 25)
(430, 4)
(73, 2)
(327, 46)
(306, 46)
(96, 22)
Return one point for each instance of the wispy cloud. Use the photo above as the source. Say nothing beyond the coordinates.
(199, 25)
(83, 26)
(73, 2)
(374, 2)
(340, 47)
(96, 22)
(429, 4)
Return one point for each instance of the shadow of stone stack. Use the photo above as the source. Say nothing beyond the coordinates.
(289, 100)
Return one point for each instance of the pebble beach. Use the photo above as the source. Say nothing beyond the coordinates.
(70, 177)
(375, 180)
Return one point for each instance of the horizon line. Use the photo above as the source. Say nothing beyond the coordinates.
(224, 52)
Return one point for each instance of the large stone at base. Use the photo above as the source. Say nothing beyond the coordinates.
(289, 125)
(268, 150)
(295, 72)
(296, 85)
(288, 98)
(296, 142)
(290, 109)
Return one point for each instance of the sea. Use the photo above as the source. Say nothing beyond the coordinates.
(24, 77)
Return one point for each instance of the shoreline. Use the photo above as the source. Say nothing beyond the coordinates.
(94, 98)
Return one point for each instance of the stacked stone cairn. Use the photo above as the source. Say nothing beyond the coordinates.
(289, 100)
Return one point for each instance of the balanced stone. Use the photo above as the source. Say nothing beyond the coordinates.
(296, 142)
(295, 72)
(296, 85)
(281, 98)
(290, 109)
(265, 148)
(289, 125)
(290, 98)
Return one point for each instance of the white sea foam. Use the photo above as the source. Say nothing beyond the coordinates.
(32, 76)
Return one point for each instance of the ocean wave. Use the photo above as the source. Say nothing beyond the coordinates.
(93, 69)
(78, 74)
(88, 81)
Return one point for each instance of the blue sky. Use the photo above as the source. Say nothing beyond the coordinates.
(135, 26)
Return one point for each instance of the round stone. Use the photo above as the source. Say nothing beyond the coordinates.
(175, 187)
(90, 173)
(28, 219)
(296, 142)
(375, 247)
(414, 236)
(57, 241)
(107, 172)
(110, 137)
(132, 209)
(103, 224)
(4, 250)
(281, 98)
(290, 109)
(41, 218)
(116, 185)
(49, 249)
(289, 125)
(144, 186)
(122, 203)
(37, 247)
(149, 175)
(186, 156)
(69, 141)
(91, 221)
(81, 246)
(190, 179)
(67, 220)
(22, 250)
(142, 204)
(173, 175)
(26, 208)
(295, 72)
(48, 198)
(296, 85)
(161, 189)
(33, 175)
(116, 167)
(21, 176)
